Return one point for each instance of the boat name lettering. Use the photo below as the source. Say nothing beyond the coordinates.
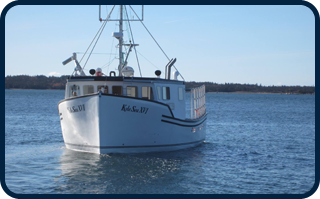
(135, 109)
(75, 109)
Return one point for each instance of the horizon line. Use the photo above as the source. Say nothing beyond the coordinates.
(259, 84)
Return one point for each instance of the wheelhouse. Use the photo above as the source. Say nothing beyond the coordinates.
(170, 92)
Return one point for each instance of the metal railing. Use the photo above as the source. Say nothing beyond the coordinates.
(198, 102)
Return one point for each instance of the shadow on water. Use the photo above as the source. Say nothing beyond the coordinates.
(163, 172)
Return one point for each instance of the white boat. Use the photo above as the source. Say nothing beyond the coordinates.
(121, 113)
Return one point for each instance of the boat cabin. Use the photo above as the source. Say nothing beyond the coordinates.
(170, 92)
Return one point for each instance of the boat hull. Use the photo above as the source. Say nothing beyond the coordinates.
(103, 123)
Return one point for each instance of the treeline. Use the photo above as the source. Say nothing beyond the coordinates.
(255, 88)
(44, 82)
(35, 82)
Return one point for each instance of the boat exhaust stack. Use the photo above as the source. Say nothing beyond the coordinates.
(175, 75)
(168, 68)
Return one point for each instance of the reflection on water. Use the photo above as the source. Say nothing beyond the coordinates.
(124, 173)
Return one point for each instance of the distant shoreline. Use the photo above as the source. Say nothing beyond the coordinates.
(59, 83)
(34, 89)
(247, 92)
(240, 92)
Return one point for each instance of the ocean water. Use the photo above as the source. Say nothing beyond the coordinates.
(255, 144)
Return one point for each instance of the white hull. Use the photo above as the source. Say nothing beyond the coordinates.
(118, 124)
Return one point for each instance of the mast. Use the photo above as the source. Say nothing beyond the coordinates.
(119, 35)
(120, 41)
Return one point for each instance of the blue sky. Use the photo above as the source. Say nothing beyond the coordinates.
(268, 45)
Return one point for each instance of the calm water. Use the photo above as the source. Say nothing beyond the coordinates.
(256, 143)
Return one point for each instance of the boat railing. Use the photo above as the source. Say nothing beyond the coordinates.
(198, 102)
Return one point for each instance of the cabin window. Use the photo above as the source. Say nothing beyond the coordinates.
(166, 93)
(117, 90)
(159, 92)
(88, 89)
(104, 89)
(147, 93)
(180, 91)
(74, 91)
(132, 91)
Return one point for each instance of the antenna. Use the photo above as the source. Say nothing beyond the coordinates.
(119, 34)
(73, 57)
(78, 68)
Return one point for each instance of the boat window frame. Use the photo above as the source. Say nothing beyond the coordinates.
(150, 95)
(106, 88)
(71, 89)
(88, 89)
(159, 92)
(166, 93)
(180, 94)
(117, 86)
(135, 93)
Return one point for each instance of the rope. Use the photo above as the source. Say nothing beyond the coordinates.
(154, 39)
(104, 25)
(133, 42)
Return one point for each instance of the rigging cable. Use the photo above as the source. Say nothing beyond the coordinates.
(108, 64)
(133, 41)
(147, 60)
(127, 24)
(91, 43)
(104, 25)
(97, 53)
(154, 39)
(115, 27)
